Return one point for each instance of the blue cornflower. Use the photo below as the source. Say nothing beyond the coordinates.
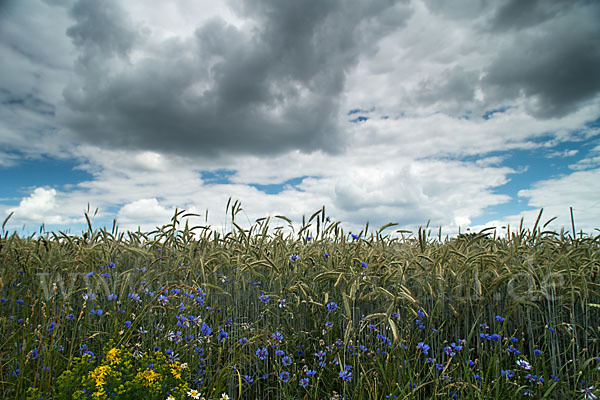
(111, 297)
(205, 330)
(303, 382)
(97, 312)
(248, 379)
(287, 361)
(277, 336)
(423, 347)
(346, 375)
(332, 306)
(127, 324)
(354, 237)
(450, 351)
(134, 297)
(311, 372)
(70, 316)
(223, 335)
(243, 340)
(363, 264)
(538, 352)
(328, 324)
(320, 354)
(284, 376)
(33, 354)
(326, 255)
(294, 257)
(280, 353)
(507, 373)
(262, 353)
(499, 318)
(478, 377)
(263, 298)
(90, 274)
(105, 275)
(456, 347)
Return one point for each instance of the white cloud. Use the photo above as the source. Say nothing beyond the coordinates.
(40, 206)
(556, 196)
(422, 82)
(591, 161)
(143, 213)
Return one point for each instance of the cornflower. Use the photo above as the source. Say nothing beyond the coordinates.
(284, 376)
(346, 375)
(262, 353)
(423, 347)
(264, 298)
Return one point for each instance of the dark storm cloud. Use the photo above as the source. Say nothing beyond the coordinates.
(101, 30)
(519, 14)
(224, 90)
(554, 65)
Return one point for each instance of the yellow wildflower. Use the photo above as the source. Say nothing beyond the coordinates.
(148, 377)
(176, 370)
(114, 356)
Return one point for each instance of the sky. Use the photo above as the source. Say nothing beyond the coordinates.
(465, 114)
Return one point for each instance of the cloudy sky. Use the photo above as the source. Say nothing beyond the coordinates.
(465, 113)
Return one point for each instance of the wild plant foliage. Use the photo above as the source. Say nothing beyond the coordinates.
(312, 313)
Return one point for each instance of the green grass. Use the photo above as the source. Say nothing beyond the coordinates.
(392, 295)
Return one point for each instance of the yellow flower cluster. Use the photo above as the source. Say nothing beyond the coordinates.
(121, 375)
(98, 375)
(148, 377)
(176, 370)
(114, 356)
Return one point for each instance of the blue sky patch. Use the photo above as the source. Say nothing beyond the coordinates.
(278, 187)
(217, 176)
(19, 179)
